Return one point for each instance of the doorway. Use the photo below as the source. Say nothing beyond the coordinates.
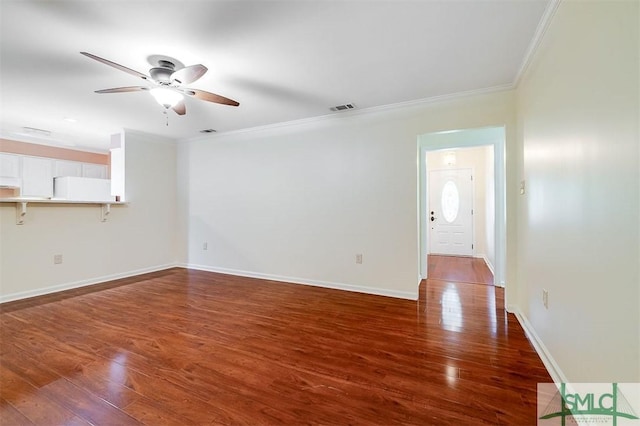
(447, 140)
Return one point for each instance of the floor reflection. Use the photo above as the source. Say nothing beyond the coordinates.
(491, 307)
(462, 307)
(452, 318)
(453, 373)
(118, 368)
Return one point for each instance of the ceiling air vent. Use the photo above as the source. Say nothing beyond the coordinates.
(208, 131)
(36, 132)
(342, 107)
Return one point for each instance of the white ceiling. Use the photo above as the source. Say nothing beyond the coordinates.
(282, 60)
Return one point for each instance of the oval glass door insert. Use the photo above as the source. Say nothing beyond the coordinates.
(450, 201)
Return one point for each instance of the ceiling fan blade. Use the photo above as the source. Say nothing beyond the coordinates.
(209, 97)
(123, 89)
(180, 108)
(117, 66)
(188, 74)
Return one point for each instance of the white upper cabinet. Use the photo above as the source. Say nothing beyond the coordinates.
(67, 168)
(9, 165)
(10, 176)
(37, 177)
(97, 171)
(64, 168)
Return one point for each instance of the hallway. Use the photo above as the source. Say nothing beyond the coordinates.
(482, 347)
(459, 269)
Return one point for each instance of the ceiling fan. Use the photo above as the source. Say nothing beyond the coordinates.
(168, 81)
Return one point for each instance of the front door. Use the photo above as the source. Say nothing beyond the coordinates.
(450, 214)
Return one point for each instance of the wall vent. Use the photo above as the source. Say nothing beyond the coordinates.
(342, 107)
(208, 131)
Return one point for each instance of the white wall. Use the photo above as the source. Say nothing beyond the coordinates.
(136, 238)
(298, 202)
(578, 115)
(483, 201)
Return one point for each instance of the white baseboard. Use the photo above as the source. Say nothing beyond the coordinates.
(489, 265)
(98, 280)
(486, 261)
(82, 283)
(550, 364)
(325, 284)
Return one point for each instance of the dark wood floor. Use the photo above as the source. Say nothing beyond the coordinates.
(189, 347)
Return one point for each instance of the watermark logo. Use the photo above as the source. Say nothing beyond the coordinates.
(592, 404)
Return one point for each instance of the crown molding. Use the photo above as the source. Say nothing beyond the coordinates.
(357, 112)
(541, 30)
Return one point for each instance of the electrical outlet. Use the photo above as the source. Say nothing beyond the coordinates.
(359, 259)
(204, 246)
(57, 259)
(545, 298)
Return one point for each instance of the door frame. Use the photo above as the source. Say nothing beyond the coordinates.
(465, 138)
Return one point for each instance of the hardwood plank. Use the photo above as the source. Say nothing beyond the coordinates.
(88, 406)
(9, 415)
(211, 348)
(32, 403)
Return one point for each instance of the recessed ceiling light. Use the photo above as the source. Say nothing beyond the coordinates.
(70, 120)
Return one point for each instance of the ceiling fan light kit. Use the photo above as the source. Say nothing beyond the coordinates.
(167, 84)
(166, 97)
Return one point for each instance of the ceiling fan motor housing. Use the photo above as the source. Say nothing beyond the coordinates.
(162, 74)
